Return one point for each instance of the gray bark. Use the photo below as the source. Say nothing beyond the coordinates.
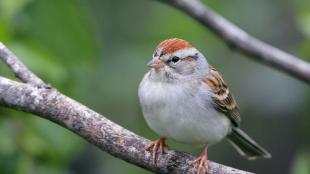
(18, 68)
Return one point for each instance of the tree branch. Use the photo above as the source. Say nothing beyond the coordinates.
(19, 69)
(50, 104)
(242, 41)
(110, 137)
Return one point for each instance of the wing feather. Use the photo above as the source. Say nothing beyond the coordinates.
(222, 98)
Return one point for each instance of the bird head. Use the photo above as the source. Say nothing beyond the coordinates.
(176, 58)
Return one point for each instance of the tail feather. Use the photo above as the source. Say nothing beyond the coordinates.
(246, 146)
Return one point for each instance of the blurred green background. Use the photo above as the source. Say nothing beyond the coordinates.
(96, 52)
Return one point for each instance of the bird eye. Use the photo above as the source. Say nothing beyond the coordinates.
(175, 59)
(155, 54)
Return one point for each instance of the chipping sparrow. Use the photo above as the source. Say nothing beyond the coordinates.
(185, 99)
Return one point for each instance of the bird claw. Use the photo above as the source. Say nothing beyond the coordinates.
(155, 146)
(201, 163)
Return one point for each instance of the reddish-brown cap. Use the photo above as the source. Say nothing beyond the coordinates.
(172, 45)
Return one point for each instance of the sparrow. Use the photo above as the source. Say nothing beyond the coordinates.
(185, 99)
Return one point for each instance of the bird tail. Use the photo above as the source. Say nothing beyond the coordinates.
(246, 146)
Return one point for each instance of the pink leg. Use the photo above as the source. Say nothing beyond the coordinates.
(201, 163)
(155, 146)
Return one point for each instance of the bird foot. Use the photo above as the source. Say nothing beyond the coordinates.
(201, 163)
(157, 145)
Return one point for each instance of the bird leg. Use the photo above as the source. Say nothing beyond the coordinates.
(155, 146)
(201, 163)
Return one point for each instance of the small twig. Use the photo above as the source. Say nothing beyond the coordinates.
(242, 41)
(19, 69)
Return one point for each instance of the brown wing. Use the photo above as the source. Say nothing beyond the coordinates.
(222, 98)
